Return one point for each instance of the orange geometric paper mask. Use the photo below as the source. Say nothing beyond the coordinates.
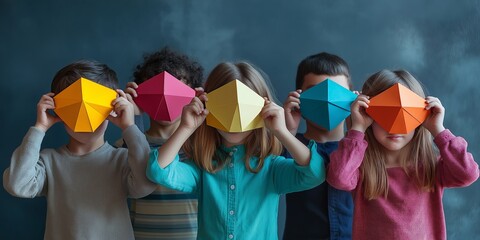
(398, 110)
(84, 105)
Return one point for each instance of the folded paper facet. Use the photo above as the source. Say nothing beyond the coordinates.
(234, 107)
(84, 105)
(326, 104)
(398, 110)
(163, 97)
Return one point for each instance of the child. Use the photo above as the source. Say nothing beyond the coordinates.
(87, 181)
(397, 180)
(166, 213)
(323, 212)
(237, 176)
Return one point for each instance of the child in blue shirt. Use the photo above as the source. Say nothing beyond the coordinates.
(323, 212)
(238, 176)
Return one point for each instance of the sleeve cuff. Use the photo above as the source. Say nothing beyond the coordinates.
(35, 132)
(34, 135)
(443, 137)
(156, 173)
(354, 134)
(316, 166)
(132, 134)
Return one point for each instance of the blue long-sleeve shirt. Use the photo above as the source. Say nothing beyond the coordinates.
(322, 212)
(233, 202)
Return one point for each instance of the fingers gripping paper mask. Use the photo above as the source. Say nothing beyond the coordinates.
(234, 107)
(84, 105)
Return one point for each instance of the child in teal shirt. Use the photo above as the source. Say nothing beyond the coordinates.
(238, 176)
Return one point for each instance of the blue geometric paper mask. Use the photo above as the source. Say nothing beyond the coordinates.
(326, 104)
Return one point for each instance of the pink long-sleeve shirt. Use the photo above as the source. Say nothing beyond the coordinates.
(407, 212)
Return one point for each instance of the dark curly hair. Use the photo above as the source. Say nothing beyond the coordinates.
(177, 64)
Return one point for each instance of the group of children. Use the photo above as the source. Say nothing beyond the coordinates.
(188, 180)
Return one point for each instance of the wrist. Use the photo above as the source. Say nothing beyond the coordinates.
(437, 130)
(41, 127)
(127, 126)
(358, 128)
(137, 112)
(185, 130)
(279, 133)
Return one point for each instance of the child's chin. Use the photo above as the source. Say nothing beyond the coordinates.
(166, 123)
(99, 130)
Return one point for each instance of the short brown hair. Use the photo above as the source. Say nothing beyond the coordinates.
(90, 69)
(322, 64)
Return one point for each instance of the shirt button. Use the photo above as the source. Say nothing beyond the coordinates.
(230, 236)
(232, 187)
(231, 212)
(230, 164)
(230, 153)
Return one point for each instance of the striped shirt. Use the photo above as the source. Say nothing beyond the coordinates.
(166, 213)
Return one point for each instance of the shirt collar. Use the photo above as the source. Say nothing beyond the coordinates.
(233, 149)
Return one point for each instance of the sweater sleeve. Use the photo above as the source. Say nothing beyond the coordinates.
(288, 176)
(139, 122)
(179, 175)
(26, 176)
(344, 168)
(138, 149)
(456, 166)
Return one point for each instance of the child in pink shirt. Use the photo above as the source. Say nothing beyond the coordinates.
(397, 180)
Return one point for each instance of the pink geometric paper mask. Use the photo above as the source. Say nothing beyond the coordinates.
(163, 97)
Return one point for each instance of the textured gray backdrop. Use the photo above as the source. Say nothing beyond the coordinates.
(438, 41)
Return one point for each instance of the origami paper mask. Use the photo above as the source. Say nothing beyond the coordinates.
(398, 110)
(326, 104)
(84, 105)
(163, 97)
(234, 107)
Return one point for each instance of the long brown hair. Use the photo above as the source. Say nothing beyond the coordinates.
(203, 145)
(422, 158)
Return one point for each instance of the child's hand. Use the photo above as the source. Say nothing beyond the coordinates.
(44, 119)
(291, 108)
(131, 92)
(123, 110)
(434, 122)
(194, 113)
(273, 116)
(360, 119)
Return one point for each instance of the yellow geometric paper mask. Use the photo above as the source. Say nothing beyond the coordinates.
(84, 105)
(234, 107)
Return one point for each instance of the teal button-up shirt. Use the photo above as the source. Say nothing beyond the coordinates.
(234, 203)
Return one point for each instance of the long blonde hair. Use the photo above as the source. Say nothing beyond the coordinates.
(422, 158)
(203, 145)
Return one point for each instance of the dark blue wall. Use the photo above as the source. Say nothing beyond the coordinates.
(438, 41)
